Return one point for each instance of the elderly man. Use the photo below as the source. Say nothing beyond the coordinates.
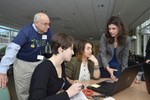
(25, 53)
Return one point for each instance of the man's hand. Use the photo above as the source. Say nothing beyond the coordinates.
(3, 80)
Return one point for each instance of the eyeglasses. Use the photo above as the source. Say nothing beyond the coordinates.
(46, 24)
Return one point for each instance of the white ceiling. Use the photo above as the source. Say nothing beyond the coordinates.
(80, 18)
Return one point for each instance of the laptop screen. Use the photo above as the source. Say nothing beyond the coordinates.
(125, 80)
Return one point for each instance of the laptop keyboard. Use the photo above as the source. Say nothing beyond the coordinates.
(105, 88)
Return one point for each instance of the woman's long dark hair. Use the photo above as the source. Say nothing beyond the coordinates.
(116, 20)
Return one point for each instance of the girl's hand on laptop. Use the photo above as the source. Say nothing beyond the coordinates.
(148, 61)
(111, 71)
(113, 77)
(115, 80)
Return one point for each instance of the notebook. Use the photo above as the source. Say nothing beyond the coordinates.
(110, 87)
(146, 68)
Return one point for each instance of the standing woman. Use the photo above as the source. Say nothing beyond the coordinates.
(49, 80)
(148, 52)
(84, 65)
(114, 48)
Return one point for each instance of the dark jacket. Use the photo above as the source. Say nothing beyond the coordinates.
(148, 50)
(73, 68)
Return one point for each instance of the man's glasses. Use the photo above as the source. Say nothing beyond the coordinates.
(46, 24)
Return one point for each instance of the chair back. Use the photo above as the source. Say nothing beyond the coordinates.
(4, 94)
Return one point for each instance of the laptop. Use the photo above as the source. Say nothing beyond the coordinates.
(109, 87)
(146, 68)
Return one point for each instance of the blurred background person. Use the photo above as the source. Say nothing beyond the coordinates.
(148, 52)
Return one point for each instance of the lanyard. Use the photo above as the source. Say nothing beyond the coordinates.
(63, 84)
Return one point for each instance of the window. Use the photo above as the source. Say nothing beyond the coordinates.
(7, 34)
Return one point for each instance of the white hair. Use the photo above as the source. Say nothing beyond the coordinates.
(37, 16)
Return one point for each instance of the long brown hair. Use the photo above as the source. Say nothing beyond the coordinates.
(116, 20)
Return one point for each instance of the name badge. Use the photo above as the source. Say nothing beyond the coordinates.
(44, 36)
(40, 57)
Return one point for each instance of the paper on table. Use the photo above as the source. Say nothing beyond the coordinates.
(79, 96)
(95, 85)
(109, 98)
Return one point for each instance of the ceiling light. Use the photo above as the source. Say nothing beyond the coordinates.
(91, 38)
(133, 37)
